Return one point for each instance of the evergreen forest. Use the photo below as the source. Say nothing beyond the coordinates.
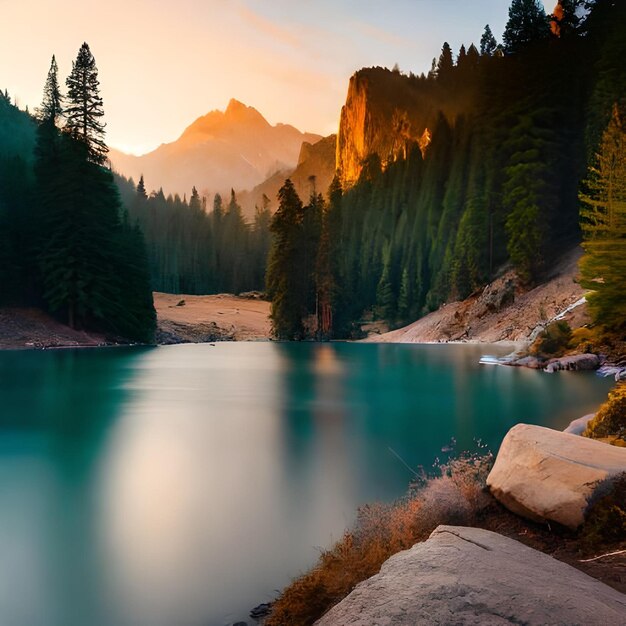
(497, 186)
(525, 159)
(66, 242)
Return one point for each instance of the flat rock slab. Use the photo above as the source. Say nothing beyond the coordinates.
(547, 475)
(463, 576)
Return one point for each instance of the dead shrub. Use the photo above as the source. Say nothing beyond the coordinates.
(455, 496)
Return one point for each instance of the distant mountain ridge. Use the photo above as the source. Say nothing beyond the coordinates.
(237, 148)
(315, 168)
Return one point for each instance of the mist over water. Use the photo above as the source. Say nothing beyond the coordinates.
(186, 484)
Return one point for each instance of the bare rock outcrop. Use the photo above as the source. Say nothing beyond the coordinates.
(472, 576)
(547, 475)
(503, 311)
(387, 113)
(574, 363)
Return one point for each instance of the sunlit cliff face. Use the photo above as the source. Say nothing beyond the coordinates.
(371, 123)
(555, 26)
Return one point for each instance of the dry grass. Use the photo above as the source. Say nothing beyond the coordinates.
(455, 496)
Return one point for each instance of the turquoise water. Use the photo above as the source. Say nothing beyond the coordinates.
(183, 485)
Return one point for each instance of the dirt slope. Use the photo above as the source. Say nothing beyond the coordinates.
(221, 317)
(503, 311)
(32, 328)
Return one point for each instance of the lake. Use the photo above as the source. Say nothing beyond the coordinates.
(183, 485)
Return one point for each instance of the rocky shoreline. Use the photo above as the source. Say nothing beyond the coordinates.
(542, 475)
(570, 363)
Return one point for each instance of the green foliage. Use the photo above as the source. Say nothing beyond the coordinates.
(488, 43)
(51, 108)
(583, 339)
(16, 229)
(610, 420)
(605, 26)
(194, 250)
(84, 111)
(445, 63)
(300, 272)
(92, 264)
(553, 341)
(497, 184)
(286, 286)
(17, 131)
(529, 196)
(527, 24)
(603, 213)
(64, 243)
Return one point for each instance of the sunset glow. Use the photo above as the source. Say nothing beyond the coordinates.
(164, 64)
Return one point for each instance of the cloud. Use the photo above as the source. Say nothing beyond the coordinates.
(268, 28)
(384, 36)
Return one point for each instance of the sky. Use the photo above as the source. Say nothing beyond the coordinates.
(164, 63)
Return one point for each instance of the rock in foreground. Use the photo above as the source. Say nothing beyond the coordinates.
(474, 576)
(547, 475)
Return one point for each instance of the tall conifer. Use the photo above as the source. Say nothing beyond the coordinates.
(527, 23)
(84, 110)
(51, 108)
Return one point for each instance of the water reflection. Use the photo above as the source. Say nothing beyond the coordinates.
(184, 485)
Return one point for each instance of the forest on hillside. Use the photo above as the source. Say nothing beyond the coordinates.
(66, 243)
(498, 184)
(520, 129)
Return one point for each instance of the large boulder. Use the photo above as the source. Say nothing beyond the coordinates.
(574, 363)
(473, 576)
(547, 475)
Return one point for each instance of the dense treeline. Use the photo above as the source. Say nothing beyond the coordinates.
(498, 183)
(65, 243)
(196, 249)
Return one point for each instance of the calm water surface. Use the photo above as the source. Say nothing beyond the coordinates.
(183, 485)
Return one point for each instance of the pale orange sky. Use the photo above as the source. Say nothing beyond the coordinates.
(163, 63)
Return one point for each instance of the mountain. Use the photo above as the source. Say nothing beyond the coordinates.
(386, 111)
(237, 148)
(315, 159)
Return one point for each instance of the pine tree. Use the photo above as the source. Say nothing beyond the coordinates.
(385, 299)
(92, 270)
(462, 58)
(84, 108)
(529, 196)
(51, 108)
(262, 240)
(527, 23)
(324, 283)
(141, 188)
(195, 204)
(488, 43)
(311, 232)
(446, 62)
(285, 283)
(404, 297)
(603, 214)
